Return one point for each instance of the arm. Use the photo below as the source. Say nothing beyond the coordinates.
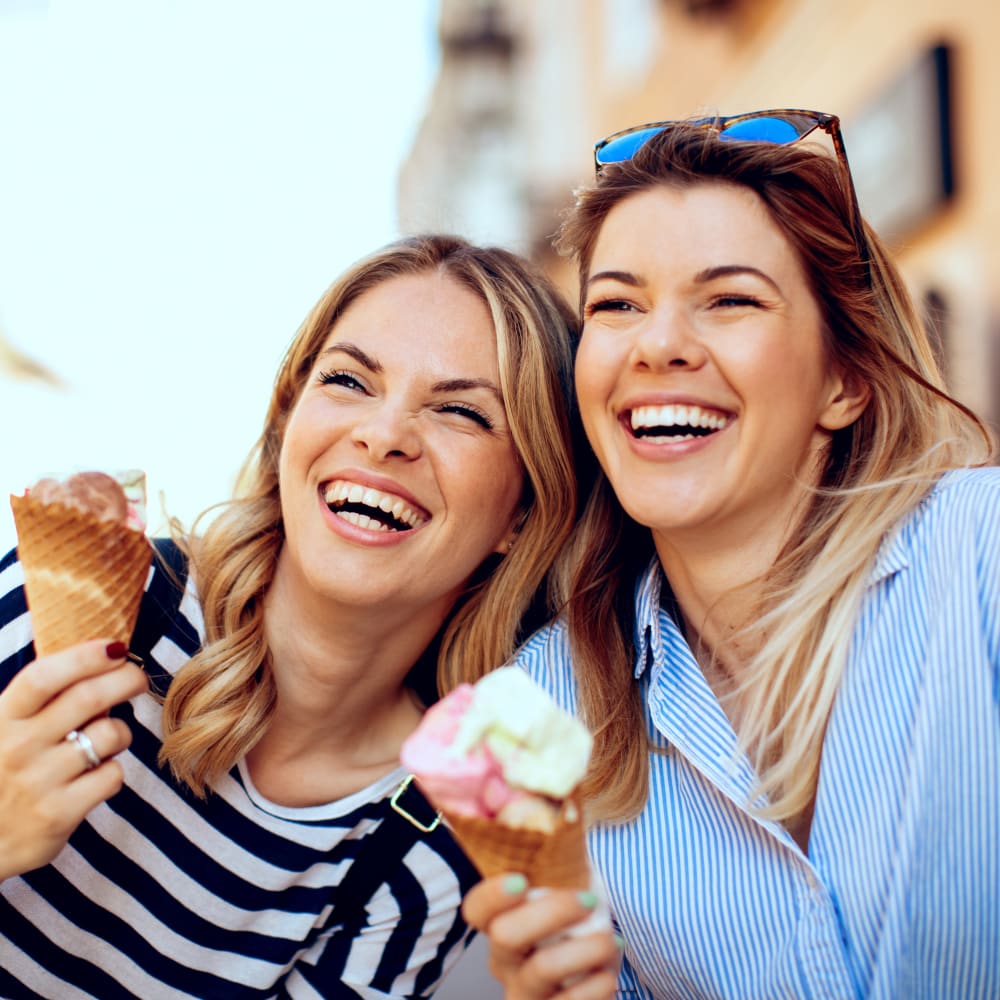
(529, 953)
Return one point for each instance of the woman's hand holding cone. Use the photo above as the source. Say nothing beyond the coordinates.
(48, 783)
(531, 953)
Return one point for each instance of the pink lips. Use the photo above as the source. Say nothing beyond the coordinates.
(382, 484)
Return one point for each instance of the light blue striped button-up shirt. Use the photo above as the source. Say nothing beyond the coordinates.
(899, 895)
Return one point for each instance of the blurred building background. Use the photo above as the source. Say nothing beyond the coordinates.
(526, 86)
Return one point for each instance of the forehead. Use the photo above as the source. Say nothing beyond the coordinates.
(676, 225)
(429, 320)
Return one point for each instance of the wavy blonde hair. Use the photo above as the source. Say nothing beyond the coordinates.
(218, 705)
(876, 471)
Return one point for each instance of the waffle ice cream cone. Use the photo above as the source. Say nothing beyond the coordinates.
(503, 762)
(83, 575)
(556, 859)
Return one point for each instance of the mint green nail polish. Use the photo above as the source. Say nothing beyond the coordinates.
(619, 942)
(514, 885)
(587, 899)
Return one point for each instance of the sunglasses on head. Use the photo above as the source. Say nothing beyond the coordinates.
(779, 127)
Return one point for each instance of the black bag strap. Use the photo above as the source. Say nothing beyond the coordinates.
(160, 604)
(409, 818)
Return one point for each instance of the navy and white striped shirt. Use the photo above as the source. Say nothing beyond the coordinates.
(161, 895)
(899, 896)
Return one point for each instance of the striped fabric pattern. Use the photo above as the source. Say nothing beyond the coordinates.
(159, 894)
(899, 895)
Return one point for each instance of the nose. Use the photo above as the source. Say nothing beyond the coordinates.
(667, 341)
(387, 431)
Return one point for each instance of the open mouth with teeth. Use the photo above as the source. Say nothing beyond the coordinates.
(674, 422)
(369, 508)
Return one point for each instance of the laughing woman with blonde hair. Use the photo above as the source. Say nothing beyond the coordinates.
(238, 824)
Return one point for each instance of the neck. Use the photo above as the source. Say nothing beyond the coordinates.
(717, 588)
(342, 708)
(717, 570)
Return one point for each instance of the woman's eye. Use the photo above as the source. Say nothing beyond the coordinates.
(606, 305)
(735, 301)
(470, 411)
(345, 379)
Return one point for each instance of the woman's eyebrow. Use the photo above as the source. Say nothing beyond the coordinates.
(462, 384)
(355, 352)
(728, 270)
(625, 277)
(444, 385)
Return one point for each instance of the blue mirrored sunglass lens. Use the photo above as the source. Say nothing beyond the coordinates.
(775, 130)
(625, 146)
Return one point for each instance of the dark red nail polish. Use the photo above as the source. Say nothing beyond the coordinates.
(116, 650)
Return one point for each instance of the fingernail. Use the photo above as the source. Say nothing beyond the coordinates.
(116, 650)
(587, 899)
(514, 885)
(619, 942)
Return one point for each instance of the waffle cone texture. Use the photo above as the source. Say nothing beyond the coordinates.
(83, 577)
(557, 860)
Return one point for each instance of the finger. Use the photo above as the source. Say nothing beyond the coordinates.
(32, 770)
(518, 931)
(45, 818)
(90, 699)
(103, 738)
(92, 788)
(572, 960)
(42, 680)
(597, 986)
(491, 897)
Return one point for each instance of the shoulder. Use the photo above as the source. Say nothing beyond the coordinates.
(960, 514)
(969, 490)
(545, 657)
(546, 652)
(943, 562)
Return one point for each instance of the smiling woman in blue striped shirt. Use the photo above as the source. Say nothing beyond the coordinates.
(784, 614)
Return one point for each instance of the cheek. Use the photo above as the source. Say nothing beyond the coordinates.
(594, 377)
(298, 448)
(497, 488)
(506, 485)
(286, 456)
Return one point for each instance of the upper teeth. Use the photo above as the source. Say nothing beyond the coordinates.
(677, 416)
(343, 491)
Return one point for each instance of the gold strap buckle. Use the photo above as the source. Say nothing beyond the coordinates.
(394, 802)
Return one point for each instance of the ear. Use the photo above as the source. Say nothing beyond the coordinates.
(507, 542)
(847, 397)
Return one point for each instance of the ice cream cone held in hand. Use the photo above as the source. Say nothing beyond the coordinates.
(503, 762)
(85, 555)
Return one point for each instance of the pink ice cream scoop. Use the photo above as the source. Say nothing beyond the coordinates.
(499, 742)
(470, 783)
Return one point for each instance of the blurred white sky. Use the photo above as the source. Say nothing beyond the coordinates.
(179, 181)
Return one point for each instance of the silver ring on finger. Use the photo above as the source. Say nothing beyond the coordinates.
(86, 747)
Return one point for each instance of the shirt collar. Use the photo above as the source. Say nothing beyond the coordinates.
(648, 639)
(893, 555)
